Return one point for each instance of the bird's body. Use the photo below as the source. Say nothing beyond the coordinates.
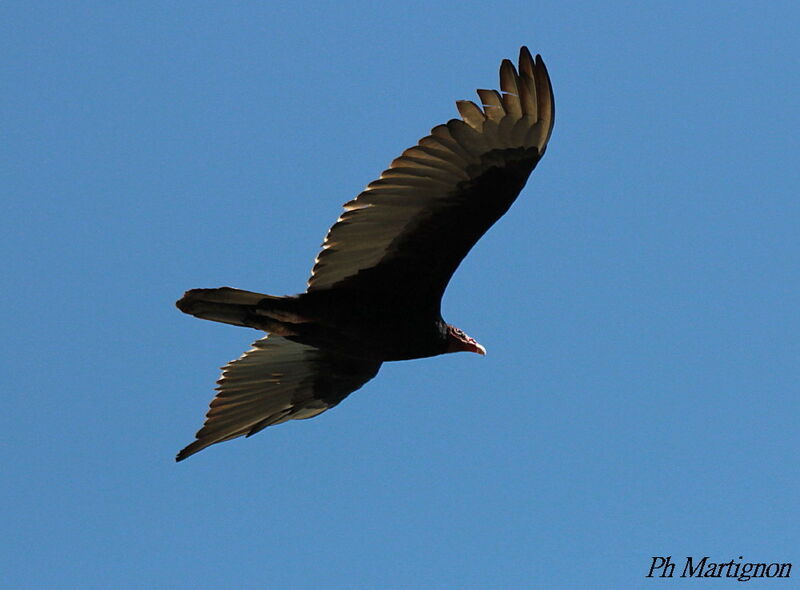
(350, 322)
(375, 290)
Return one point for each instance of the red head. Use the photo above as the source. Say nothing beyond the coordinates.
(458, 340)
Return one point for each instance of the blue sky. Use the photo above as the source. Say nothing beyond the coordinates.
(639, 302)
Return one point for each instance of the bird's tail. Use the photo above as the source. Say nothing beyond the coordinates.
(243, 308)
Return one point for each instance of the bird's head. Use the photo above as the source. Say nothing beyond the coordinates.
(458, 341)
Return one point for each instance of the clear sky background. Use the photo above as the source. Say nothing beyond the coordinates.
(639, 302)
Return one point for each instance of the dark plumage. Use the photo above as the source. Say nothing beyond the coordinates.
(375, 290)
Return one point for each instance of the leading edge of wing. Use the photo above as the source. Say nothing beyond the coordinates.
(427, 178)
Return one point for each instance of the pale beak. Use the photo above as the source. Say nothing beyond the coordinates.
(479, 349)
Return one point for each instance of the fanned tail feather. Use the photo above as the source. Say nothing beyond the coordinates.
(242, 308)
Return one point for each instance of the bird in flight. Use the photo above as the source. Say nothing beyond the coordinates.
(375, 290)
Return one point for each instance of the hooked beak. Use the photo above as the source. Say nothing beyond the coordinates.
(473, 346)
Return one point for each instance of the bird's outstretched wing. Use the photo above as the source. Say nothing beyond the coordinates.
(408, 231)
(275, 381)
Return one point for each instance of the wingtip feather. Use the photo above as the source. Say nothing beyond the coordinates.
(189, 450)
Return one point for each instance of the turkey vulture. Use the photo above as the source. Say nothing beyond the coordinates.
(375, 290)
